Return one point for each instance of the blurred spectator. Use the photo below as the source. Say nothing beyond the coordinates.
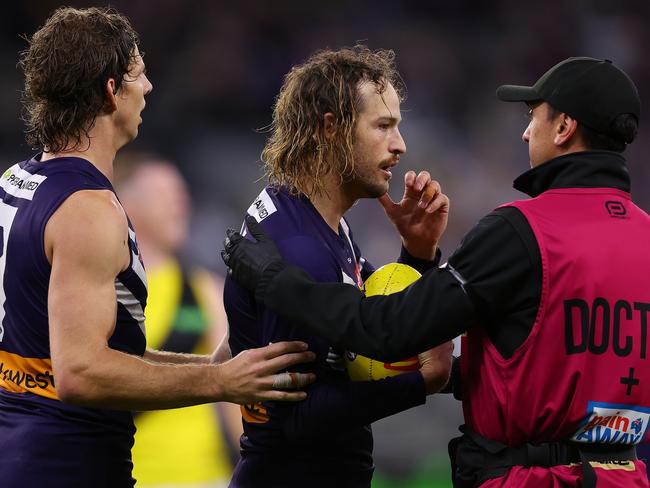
(189, 447)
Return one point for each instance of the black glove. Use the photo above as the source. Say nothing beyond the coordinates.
(247, 260)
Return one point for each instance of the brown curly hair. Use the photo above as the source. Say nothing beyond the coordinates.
(297, 154)
(67, 65)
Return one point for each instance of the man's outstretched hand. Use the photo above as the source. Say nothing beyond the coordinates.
(258, 375)
(247, 260)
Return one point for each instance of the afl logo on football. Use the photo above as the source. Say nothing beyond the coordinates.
(350, 356)
(616, 209)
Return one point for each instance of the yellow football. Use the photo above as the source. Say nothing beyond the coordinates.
(391, 278)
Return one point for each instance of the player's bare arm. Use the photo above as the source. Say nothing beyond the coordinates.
(420, 216)
(209, 290)
(86, 244)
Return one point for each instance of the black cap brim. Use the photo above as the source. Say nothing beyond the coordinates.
(516, 93)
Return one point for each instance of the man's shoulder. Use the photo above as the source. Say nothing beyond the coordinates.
(89, 230)
(282, 215)
(50, 180)
(97, 208)
(265, 204)
(497, 228)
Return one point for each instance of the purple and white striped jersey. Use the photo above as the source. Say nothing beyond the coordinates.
(34, 424)
(325, 440)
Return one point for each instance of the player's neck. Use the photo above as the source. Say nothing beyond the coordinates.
(332, 203)
(99, 148)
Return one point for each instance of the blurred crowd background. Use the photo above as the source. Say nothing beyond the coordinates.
(216, 67)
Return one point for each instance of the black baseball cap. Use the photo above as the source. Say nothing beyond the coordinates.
(592, 91)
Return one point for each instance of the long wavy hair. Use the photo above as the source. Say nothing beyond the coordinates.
(67, 65)
(297, 154)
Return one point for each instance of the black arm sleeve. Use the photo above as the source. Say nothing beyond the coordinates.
(493, 280)
(499, 260)
(422, 265)
(431, 311)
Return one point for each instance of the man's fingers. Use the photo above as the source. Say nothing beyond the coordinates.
(255, 229)
(429, 193)
(279, 348)
(435, 204)
(230, 241)
(440, 202)
(386, 202)
(409, 178)
(292, 381)
(413, 185)
(232, 238)
(287, 360)
(422, 180)
(301, 380)
(284, 396)
(409, 186)
(282, 381)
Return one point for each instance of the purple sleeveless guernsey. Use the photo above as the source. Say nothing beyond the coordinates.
(325, 440)
(43, 441)
(582, 374)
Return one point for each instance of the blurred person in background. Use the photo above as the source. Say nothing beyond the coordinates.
(193, 446)
(73, 355)
(334, 139)
(552, 292)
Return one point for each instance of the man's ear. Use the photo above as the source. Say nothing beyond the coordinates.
(110, 92)
(565, 129)
(329, 126)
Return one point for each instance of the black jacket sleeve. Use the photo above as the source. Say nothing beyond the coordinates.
(431, 311)
(422, 265)
(499, 260)
(492, 279)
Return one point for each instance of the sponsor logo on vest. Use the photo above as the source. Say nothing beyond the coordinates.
(600, 326)
(613, 424)
(20, 375)
(262, 207)
(20, 183)
(616, 209)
